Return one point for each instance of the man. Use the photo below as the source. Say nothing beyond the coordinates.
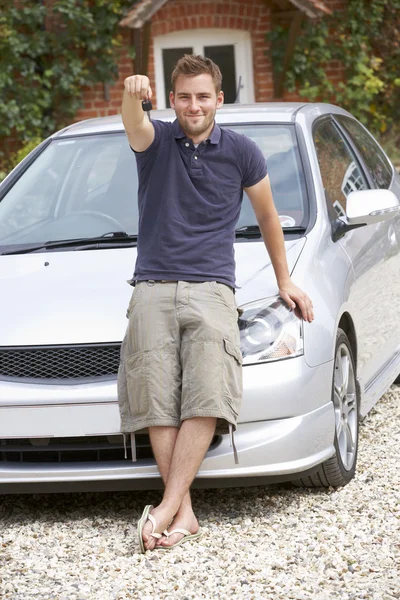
(180, 373)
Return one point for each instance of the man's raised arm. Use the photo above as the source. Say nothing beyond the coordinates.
(137, 124)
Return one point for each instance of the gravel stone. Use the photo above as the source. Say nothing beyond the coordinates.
(260, 543)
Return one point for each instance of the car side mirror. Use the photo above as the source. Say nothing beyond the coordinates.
(365, 207)
(371, 206)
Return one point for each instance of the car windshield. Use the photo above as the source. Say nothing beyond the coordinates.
(86, 186)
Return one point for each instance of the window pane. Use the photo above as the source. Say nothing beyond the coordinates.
(376, 161)
(170, 58)
(224, 57)
(81, 187)
(279, 145)
(87, 186)
(340, 171)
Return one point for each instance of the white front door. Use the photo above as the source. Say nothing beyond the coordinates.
(230, 49)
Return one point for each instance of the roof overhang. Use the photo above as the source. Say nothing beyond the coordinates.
(143, 10)
(312, 8)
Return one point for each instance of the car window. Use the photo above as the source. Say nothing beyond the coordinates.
(279, 145)
(79, 187)
(340, 171)
(376, 161)
(32, 199)
(87, 186)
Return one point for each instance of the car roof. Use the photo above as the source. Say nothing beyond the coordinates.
(268, 112)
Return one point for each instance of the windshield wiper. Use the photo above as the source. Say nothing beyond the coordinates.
(249, 231)
(108, 240)
(295, 229)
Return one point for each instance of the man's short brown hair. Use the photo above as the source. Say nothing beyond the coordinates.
(194, 64)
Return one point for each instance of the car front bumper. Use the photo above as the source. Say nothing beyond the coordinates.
(272, 448)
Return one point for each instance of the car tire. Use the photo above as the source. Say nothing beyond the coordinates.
(340, 469)
(397, 381)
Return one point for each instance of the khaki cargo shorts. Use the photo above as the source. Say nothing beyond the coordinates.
(180, 357)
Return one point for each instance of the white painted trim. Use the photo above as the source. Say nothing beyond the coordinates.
(197, 39)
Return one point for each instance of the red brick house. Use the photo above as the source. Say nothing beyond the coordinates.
(231, 32)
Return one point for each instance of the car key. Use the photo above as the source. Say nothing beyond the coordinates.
(147, 106)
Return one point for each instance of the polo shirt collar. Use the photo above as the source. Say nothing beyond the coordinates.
(214, 137)
(215, 134)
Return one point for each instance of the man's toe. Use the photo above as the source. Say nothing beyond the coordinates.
(149, 545)
(173, 539)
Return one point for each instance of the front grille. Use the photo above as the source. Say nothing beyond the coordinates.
(60, 362)
(76, 449)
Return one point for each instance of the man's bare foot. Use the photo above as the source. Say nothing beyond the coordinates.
(184, 519)
(163, 518)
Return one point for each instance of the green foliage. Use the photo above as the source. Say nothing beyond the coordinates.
(26, 149)
(390, 142)
(364, 39)
(20, 154)
(50, 51)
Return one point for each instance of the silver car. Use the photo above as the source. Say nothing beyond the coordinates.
(68, 230)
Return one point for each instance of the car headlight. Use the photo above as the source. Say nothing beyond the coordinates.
(269, 330)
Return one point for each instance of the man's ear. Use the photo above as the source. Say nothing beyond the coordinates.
(172, 99)
(220, 99)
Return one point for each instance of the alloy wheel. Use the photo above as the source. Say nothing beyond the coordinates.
(345, 406)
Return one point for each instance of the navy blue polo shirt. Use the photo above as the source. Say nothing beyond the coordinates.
(189, 203)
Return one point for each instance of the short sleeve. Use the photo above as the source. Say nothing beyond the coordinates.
(162, 131)
(254, 166)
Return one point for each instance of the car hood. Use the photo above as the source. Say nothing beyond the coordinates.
(80, 297)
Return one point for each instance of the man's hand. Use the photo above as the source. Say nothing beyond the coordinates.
(297, 300)
(138, 87)
(137, 124)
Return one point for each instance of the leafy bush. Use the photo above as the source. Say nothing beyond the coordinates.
(364, 39)
(49, 51)
(20, 154)
(25, 150)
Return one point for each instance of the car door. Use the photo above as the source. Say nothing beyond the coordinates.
(369, 249)
(382, 172)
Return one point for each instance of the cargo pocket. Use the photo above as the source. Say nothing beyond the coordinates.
(233, 386)
(137, 383)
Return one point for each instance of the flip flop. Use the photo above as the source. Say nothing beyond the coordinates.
(187, 537)
(146, 516)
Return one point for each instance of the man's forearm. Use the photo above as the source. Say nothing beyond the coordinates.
(274, 240)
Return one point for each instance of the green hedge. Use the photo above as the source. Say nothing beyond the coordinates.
(48, 57)
(365, 39)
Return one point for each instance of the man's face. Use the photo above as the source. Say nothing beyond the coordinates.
(195, 102)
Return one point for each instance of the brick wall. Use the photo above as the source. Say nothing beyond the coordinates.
(179, 15)
(95, 104)
(243, 15)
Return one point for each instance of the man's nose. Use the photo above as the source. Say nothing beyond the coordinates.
(194, 105)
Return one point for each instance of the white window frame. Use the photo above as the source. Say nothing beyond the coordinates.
(197, 39)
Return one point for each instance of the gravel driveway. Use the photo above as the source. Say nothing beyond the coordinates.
(261, 543)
